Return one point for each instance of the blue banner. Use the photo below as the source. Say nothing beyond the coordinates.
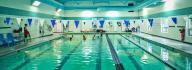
(150, 22)
(126, 23)
(53, 22)
(174, 19)
(76, 23)
(102, 23)
(7, 20)
(29, 21)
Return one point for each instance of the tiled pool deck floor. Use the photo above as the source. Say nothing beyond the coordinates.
(187, 48)
(5, 50)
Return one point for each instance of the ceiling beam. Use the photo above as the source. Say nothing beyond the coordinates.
(145, 3)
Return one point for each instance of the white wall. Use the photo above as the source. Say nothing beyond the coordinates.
(173, 32)
(82, 13)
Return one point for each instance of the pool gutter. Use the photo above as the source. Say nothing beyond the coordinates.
(157, 57)
(13, 49)
(172, 48)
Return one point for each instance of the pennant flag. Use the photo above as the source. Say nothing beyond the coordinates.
(76, 23)
(102, 23)
(126, 23)
(67, 25)
(7, 20)
(63, 22)
(18, 20)
(150, 22)
(53, 22)
(174, 19)
(41, 21)
(142, 21)
(29, 21)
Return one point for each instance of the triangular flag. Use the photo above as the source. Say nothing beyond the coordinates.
(53, 22)
(126, 23)
(41, 21)
(63, 22)
(18, 20)
(142, 21)
(68, 22)
(76, 23)
(29, 21)
(102, 23)
(174, 19)
(150, 22)
(7, 20)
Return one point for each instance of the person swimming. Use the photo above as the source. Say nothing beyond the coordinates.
(93, 37)
(84, 38)
(71, 38)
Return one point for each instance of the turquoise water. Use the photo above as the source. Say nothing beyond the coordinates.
(175, 58)
(79, 54)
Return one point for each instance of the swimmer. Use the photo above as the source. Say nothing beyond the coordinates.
(93, 37)
(84, 38)
(71, 38)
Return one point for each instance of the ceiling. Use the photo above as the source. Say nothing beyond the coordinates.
(101, 5)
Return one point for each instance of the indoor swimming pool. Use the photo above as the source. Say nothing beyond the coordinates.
(96, 53)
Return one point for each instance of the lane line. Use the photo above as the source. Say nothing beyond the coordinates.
(30, 59)
(158, 58)
(118, 64)
(130, 56)
(98, 60)
(67, 57)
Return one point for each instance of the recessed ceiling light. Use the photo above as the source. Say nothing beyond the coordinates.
(36, 3)
(58, 10)
(165, 0)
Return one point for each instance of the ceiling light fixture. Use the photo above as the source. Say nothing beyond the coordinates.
(59, 10)
(36, 3)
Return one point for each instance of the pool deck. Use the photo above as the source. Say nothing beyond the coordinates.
(6, 50)
(184, 47)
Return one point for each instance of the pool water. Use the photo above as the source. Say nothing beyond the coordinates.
(176, 58)
(79, 54)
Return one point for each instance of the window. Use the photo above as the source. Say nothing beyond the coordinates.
(189, 27)
(164, 25)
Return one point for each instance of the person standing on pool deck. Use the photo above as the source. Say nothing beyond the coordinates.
(182, 32)
(26, 33)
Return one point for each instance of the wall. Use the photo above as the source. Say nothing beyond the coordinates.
(93, 13)
(23, 9)
(172, 8)
(33, 29)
